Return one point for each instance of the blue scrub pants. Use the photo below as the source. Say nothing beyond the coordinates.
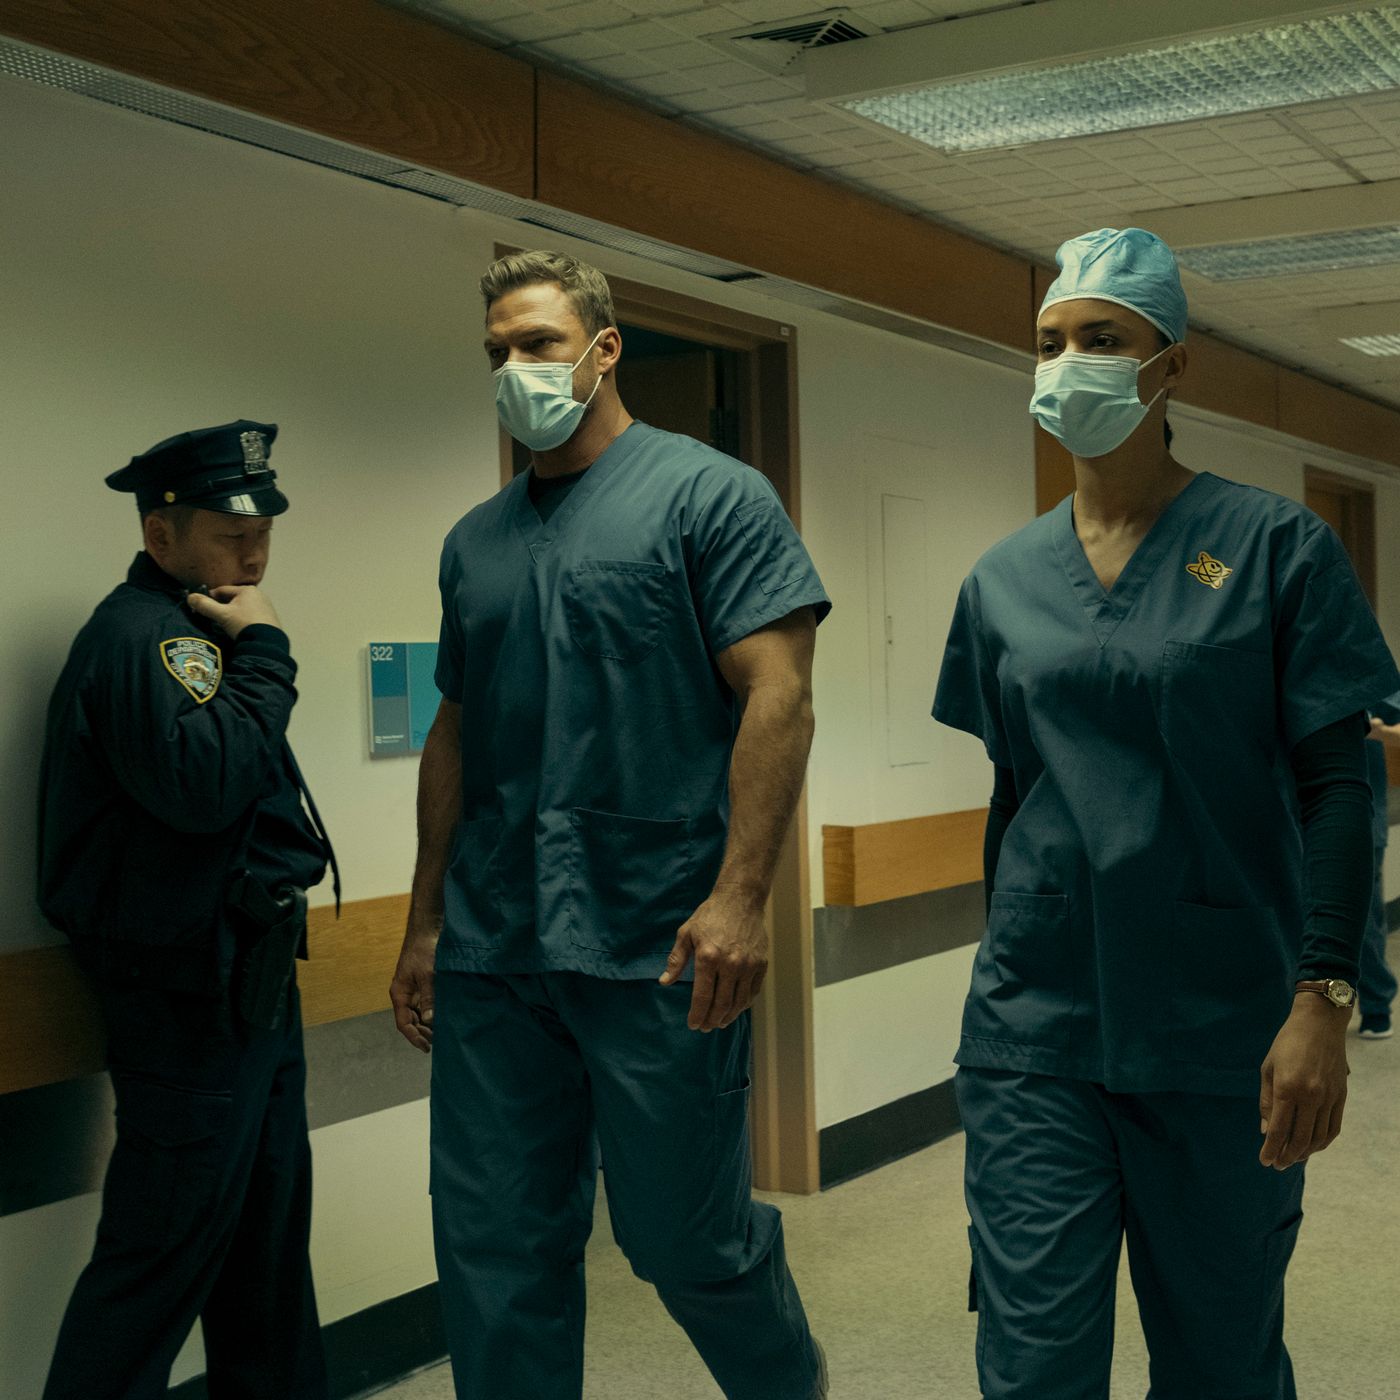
(1377, 982)
(1058, 1172)
(526, 1071)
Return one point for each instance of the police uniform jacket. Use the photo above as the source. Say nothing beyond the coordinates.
(162, 736)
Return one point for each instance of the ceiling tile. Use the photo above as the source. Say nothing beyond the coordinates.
(1379, 167)
(577, 48)
(658, 8)
(672, 86)
(627, 66)
(712, 19)
(774, 131)
(720, 99)
(641, 36)
(763, 11)
(742, 117)
(801, 145)
(894, 14)
(689, 53)
(529, 28)
(592, 14)
(1366, 146)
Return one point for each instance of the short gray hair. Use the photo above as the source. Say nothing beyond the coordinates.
(587, 288)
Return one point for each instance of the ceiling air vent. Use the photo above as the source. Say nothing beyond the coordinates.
(776, 47)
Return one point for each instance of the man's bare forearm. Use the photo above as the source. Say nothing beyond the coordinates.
(439, 805)
(765, 779)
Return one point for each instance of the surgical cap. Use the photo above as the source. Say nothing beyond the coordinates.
(1128, 266)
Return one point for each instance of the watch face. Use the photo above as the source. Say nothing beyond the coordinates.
(1340, 992)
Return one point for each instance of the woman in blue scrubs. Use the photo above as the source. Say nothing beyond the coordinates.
(1170, 673)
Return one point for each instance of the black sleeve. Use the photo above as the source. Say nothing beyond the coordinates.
(1334, 800)
(1003, 807)
(195, 764)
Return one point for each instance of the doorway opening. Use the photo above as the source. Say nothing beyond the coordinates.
(1349, 507)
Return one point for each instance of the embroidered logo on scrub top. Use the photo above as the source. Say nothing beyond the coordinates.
(1210, 572)
(195, 663)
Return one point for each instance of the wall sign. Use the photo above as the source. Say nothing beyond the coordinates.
(402, 696)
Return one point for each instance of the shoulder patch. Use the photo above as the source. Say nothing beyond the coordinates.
(198, 665)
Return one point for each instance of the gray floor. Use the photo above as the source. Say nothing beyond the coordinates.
(882, 1264)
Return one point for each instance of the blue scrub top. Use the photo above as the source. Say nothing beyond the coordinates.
(1147, 919)
(596, 727)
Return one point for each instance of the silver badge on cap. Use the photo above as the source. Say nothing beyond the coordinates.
(254, 452)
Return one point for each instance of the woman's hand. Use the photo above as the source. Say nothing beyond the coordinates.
(1303, 1082)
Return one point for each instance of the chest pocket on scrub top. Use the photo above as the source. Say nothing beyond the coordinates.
(1216, 700)
(616, 608)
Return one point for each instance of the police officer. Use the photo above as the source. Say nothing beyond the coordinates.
(175, 852)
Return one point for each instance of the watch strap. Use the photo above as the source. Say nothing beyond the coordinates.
(1323, 987)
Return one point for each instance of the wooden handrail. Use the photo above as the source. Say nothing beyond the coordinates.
(891, 860)
(49, 1025)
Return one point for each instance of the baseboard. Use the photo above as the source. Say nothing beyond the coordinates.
(893, 1130)
(371, 1348)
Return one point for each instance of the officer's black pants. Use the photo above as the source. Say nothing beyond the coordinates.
(206, 1212)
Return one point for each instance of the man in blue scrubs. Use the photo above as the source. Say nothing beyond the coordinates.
(625, 668)
(1169, 672)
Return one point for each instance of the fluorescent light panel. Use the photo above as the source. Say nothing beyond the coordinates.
(1294, 257)
(1378, 345)
(1340, 55)
(1372, 328)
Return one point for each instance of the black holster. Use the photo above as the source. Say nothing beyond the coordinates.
(271, 933)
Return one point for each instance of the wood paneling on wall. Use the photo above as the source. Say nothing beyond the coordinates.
(49, 1024)
(1318, 412)
(354, 70)
(1222, 378)
(890, 860)
(1054, 471)
(352, 958)
(620, 163)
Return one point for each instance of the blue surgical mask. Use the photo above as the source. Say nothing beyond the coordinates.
(535, 401)
(1091, 402)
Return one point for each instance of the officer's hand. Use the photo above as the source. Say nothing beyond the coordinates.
(411, 991)
(233, 608)
(1303, 1087)
(728, 939)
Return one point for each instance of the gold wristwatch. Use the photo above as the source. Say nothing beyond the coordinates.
(1336, 991)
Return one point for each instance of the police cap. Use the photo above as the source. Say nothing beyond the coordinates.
(224, 469)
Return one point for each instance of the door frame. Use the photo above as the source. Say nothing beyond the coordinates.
(783, 1106)
(1359, 529)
